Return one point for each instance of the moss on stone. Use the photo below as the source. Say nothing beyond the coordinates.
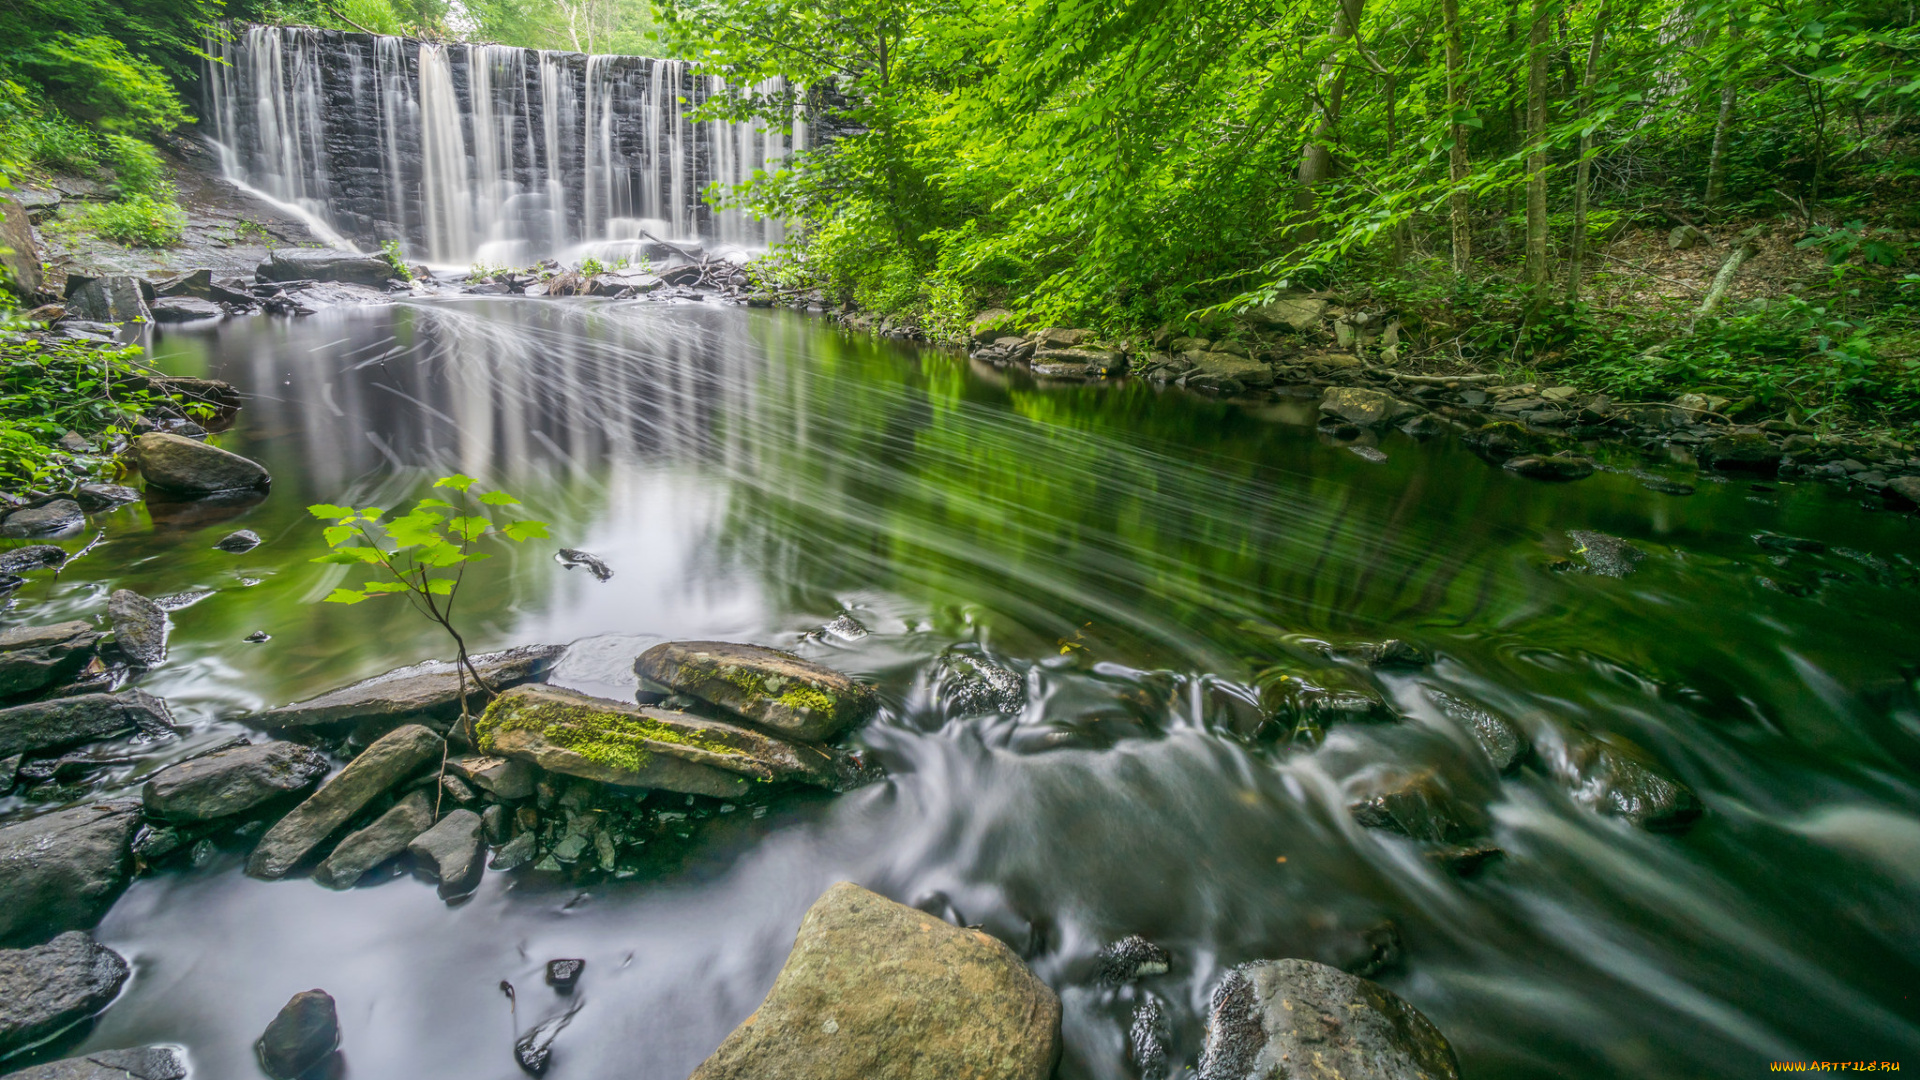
(600, 735)
(807, 699)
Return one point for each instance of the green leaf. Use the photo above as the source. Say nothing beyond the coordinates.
(428, 503)
(499, 498)
(468, 528)
(415, 529)
(345, 596)
(457, 482)
(348, 556)
(330, 512)
(525, 530)
(440, 586)
(383, 587)
(338, 534)
(440, 555)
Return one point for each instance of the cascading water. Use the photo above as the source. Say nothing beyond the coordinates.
(484, 153)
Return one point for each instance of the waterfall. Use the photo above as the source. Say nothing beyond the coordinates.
(484, 154)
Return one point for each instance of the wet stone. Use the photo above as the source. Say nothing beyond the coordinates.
(230, 783)
(50, 987)
(22, 560)
(777, 690)
(1502, 740)
(563, 975)
(96, 497)
(301, 1037)
(188, 467)
(1391, 653)
(1148, 1038)
(1420, 807)
(138, 1063)
(1606, 556)
(67, 721)
(1615, 781)
(572, 557)
(507, 778)
(385, 838)
(1534, 467)
(59, 517)
(139, 627)
(1131, 958)
(391, 759)
(61, 871)
(1296, 1018)
(450, 853)
(429, 691)
(238, 542)
(516, 853)
(972, 686)
(1788, 544)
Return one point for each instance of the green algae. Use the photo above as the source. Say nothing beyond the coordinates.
(601, 735)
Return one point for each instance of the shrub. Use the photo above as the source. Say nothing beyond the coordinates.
(97, 79)
(138, 221)
(137, 167)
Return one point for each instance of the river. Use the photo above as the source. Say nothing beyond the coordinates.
(1148, 560)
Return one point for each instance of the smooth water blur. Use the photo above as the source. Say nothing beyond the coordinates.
(1146, 559)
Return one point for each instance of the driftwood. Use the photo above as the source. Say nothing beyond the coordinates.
(1723, 280)
(1429, 380)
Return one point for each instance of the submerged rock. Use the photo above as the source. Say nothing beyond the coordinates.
(238, 542)
(301, 1036)
(1535, 467)
(973, 686)
(61, 871)
(1502, 740)
(614, 742)
(572, 557)
(450, 852)
(1148, 1038)
(875, 990)
(139, 1063)
(1615, 781)
(139, 627)
(49, 519)
(777, 690)
(1296, 1018)
(189, 467)
(1131, 958)
(49, 988)
(1607, 556)
(429, 691)
(388, 836)
(60, 722)
(22, 560)
(228, 783)
(1419, 806)
(35, 657)
(392, 758)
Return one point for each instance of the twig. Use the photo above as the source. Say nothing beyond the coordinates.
(1430, 380)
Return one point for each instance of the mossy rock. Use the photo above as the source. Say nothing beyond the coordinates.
(778, 691)
(615, 742)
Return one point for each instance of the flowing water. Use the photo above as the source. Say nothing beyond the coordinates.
(1145, 560)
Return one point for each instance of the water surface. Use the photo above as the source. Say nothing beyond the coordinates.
(1146, 560)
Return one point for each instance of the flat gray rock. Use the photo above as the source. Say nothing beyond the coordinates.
(1287, 1019)
(139, 627)
(188, 467)
(779, 691)
(61, 871)
(429, 691)
(186, 309)
(325, 264)
(392, 758)
(56, 518)
(449, 852)
(139, 1063)
(35, 657)
(24, 560)
(49, 988)
(60, 722)
(388, 836)
(228, 783)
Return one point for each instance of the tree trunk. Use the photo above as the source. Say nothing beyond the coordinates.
(1459, 203)
(1316, 164)
(1537, 58)
(1583, 172)
(1722, 124)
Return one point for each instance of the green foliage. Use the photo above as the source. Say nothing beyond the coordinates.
(138, 221)
(397, 259)
(48, 388)
(98, 80)
(592, 267)
(34, 137)
(423, 554)
(137, 168)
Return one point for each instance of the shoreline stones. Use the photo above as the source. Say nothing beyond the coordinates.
(776, 690)
(392, 758)
(1296, 1018)
(185, 466)
(875, 990)
(229, 783)
(139, 627)
(35, 657)
(66, 721)
(636, 746)
(450, 853)
(61, 871)
(385, 838)
(429, 691)
(138, 1063)
(48, 988)
(56, 518)
(301, 1036)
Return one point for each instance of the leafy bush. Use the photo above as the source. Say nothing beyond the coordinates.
(137, 167)
(96, 79)
(35, 137)
(397, 259)
(138, 221)
(48, 388)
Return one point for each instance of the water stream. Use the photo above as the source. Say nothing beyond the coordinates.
(1145, 560)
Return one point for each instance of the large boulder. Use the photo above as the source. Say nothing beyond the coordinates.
(1226, 372)
(49, 988)
(1296, 313)
(875, 990)
(616, 742)
(1907, 487)
(61, 871)
(139, 1063)
(19, 257)
(139, 627)
(35, 657)
(428, 692)
(301, 1037)
(59, 722)
(1288, 1019)
(450, 852)
(1366, 408)
(393, 758)
(386, 837)
(57, 517)
(779, 691)
(325, 264)
(113, 299)
(189, 467)
(229, 783)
